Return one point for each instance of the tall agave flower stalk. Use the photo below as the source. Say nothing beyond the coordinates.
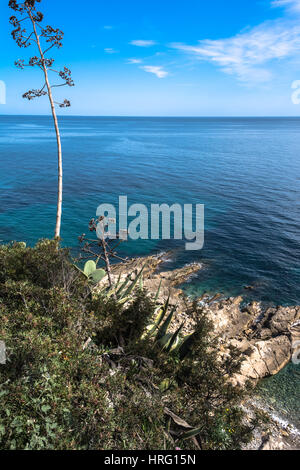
(44, 38)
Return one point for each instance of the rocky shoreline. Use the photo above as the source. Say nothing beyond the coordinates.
(279, 435)
(264, 335)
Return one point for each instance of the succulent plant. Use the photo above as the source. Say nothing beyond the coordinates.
(91, 271)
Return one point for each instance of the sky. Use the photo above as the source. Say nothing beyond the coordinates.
(164, 58)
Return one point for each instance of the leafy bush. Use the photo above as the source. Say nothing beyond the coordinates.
(80, 373)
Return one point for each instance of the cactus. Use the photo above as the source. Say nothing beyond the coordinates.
(97, 275)
(91, 272)
(89, 268)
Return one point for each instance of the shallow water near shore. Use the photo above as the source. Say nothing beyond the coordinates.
(245, 170)
(282, 393)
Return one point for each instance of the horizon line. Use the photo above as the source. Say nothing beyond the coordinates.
(155, 116)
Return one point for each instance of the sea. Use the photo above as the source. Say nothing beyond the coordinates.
(245, 171)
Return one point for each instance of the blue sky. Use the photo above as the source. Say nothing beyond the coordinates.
(165, 58)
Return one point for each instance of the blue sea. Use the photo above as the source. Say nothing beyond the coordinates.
(246, 171)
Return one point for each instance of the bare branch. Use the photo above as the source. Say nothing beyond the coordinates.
(45, 52)
(57, 86)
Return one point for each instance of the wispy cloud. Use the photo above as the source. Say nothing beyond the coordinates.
(110, 50)
(156, 70)
(143, 43)
(248, 55)
(293, 5)
(134, 61)
(108, 27)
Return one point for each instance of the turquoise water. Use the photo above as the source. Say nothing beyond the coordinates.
(282, 392)
(245, 171)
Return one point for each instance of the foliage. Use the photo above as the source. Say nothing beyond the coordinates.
(83, 372)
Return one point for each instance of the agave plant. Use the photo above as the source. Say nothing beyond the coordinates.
(159, 329)
(172, 343)
(169, 342)
(122, 291)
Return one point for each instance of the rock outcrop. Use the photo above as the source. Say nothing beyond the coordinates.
(265, 336)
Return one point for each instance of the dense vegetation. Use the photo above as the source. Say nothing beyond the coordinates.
(80, 373)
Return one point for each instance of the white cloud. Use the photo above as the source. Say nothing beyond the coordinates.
(293, 5)
(158, 71)
(108, 27)
(249, 54)
(142, 43)
(134, 61)
(110, 50)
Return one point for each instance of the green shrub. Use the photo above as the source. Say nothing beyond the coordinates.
(80, 374)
